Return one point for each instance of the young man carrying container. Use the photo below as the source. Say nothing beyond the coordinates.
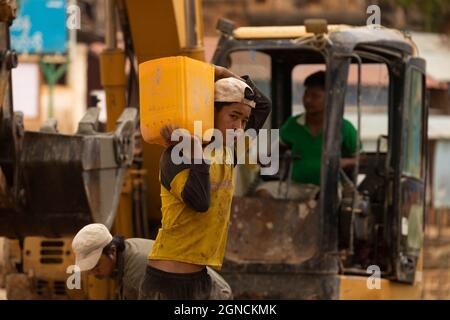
(125, 260)
(196, 198)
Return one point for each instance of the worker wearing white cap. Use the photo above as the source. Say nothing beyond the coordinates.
(233, 90)
(196, 198)
(125, 260)
(88, 245)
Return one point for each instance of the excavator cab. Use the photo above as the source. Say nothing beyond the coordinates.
(365, 223)
(318, 247)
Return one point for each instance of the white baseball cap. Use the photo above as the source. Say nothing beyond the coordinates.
(232, 90)
(88, 245)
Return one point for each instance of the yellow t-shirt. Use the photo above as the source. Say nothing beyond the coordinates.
(190, 236)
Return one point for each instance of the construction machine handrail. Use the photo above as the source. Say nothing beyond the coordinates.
(279, 32)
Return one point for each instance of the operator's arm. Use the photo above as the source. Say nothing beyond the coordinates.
(283, 147)
(188, 182)
(287, 134)
(348, 148)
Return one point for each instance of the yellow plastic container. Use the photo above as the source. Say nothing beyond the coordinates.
(175, 90)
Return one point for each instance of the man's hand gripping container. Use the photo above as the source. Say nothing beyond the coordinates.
(175, 90)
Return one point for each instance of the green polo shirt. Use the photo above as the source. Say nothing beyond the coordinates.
(296, 134)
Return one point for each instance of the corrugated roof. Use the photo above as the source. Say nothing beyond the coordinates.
(435, 49)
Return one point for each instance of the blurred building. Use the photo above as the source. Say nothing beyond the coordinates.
(353, 12)
(71, 94)
(286, 12)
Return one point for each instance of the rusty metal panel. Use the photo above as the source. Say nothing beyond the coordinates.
(275, 231)
(274, 251)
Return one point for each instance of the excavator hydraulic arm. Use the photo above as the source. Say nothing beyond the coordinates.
(151, 30)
